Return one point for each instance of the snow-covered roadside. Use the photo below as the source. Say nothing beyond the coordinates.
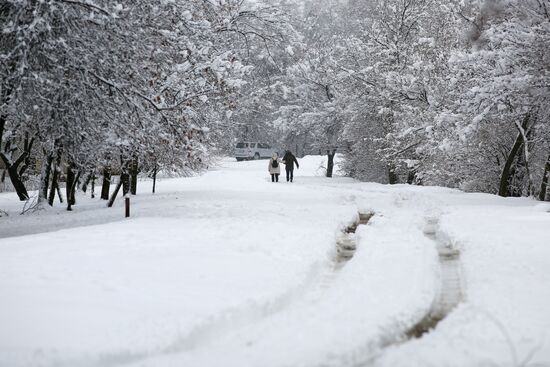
(231, 269)
(87, 211)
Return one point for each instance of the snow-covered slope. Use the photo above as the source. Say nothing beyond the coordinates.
(231, 269)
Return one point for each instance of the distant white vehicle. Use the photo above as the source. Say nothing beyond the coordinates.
(253, 150)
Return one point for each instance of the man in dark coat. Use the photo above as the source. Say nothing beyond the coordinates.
(289, 159)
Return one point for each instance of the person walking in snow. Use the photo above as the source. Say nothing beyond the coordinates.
(289, 159)
(274, 167)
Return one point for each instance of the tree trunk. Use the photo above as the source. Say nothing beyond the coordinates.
(106, 183)
(45, 177)
(55, 184)
(330, 163)
(27, 148)
(70, 180)
(544, 184)
(134, 173)
(125, 179)
(59, 193)
(16, 181)
(93, 185)
(3, 119)
(70, 190)
(504, 186)
(411, 176)
(115, 193)
(392, 176)
(18, 185)
(87, 181)
(154, 178)
(526, 134)
(73, 188)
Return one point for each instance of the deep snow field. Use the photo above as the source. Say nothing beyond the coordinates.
(228, 269)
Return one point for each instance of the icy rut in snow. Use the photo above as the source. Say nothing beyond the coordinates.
(347, 244)
(450, 292)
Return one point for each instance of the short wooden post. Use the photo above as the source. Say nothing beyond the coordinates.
(127, 206)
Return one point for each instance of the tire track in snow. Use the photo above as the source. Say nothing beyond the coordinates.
(347, 244)
(450, 293)
(448, 296)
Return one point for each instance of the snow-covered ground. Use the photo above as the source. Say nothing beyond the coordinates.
(229, 269)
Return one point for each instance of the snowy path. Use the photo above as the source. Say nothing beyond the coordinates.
(230, 269)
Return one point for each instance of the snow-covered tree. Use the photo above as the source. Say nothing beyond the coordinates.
(98, 88)
(501, 94)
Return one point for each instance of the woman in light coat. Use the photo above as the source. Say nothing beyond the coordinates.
(274, 167)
